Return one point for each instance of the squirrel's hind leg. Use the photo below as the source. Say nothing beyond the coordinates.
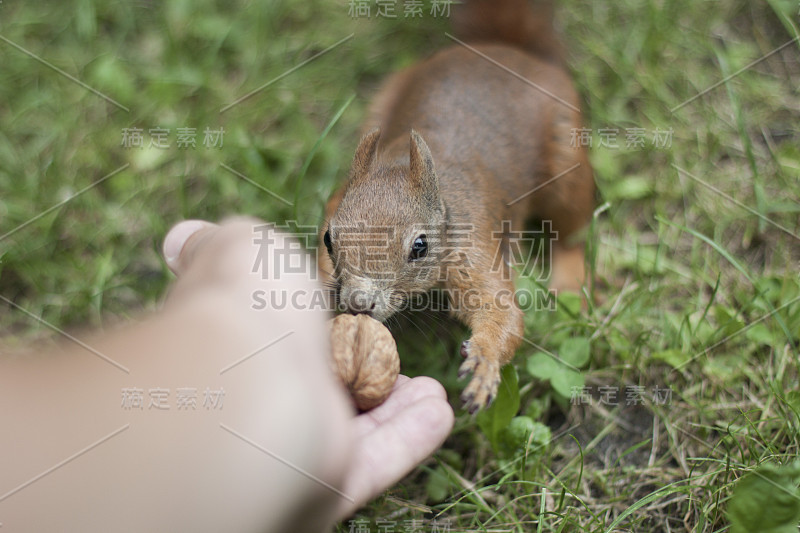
(567, 203)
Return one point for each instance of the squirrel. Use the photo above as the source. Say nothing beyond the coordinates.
(478, 134)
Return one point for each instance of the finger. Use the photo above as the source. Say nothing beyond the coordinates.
(394, 447)
(176, 240)
(406, 392)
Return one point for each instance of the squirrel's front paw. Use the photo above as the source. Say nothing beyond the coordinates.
(485, 377)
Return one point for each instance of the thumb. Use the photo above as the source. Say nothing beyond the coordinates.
(177, 248)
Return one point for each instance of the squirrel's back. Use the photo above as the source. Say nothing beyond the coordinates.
(475, 115)
(515, 36)
(490, 101)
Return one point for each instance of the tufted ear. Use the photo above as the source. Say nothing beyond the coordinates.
(421, 169)
(365, 153)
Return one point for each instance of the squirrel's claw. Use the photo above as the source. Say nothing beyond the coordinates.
(465, 349)
(482, 389)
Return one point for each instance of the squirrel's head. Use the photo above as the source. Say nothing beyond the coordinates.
(385, 238)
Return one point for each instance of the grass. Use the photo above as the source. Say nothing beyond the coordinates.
(695, 256)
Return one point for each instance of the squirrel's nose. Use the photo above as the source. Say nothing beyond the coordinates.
(361, 303)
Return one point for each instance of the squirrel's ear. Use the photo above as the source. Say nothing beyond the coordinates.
(365, 153)
(421, 164)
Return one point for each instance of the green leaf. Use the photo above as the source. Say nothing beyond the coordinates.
(110, 74)
(674, 358)
(543, 366)
(518, 430)
(569, 303)
(567, 382)
(563, 377)
(628, 188)
(575, 351)
(607, 167)
(728, 319)
(723, 367)
(766, 500)
(646, 259)
(495, 419)
(522, 430)
(438, 485)
(760, 334)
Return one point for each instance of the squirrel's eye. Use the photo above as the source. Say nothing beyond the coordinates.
(327, 240)
(419, 249)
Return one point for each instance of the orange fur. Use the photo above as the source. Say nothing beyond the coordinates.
(454, 142)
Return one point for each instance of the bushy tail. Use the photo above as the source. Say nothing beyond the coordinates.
(527, 24)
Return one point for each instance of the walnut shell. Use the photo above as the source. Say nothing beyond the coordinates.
(365, 358)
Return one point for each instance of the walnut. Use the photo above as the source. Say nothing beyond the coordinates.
(365, 358)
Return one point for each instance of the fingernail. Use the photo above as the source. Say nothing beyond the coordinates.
(177, 237)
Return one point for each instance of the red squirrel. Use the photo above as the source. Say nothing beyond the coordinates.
(475, 135)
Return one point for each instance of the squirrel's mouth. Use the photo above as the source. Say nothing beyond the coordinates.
(379, 314)
(374, 308)
(354, 313)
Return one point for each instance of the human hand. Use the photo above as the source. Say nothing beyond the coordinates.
(392, 439)
(385, 443)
